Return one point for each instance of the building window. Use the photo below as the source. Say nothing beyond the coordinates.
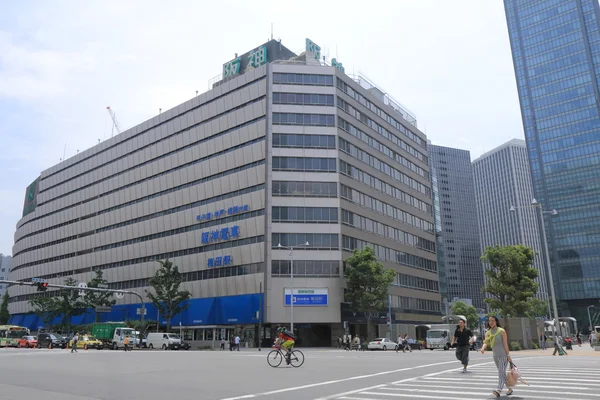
(303, 99)
(316, 241)
(306, 268)
(304, 141)
(302, 79)
(304, 189)
(304, 164)
(414, 282)
(320, 215)
(303, 119)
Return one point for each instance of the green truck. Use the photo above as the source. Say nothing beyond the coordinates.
(113, 334)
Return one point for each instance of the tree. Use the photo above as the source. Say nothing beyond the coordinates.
(98, 299)
(469, 312)
(168, 298)
(68, 304)
(4, 314)
(45, 308)
(367, 282)
(537, 308)
(510, 283)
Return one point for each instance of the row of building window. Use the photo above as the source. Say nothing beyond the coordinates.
(302, 79)
(162, 173)
(377, 145)
(303, 99)
(366, 224)
(414, 282)
(304, 141)
(388, 210)
(133, 137)
(412, 303)
(319, 215)
(160, 256)
(304, 164)
(141, 239)
(304, 189)
(390, 255)
(306, 268)
(344, 87)
(316, 241)
(213, 273)
(379, 165)
(145, 164)
(169, 211)
(158, 194)
(379, 185)
(303, 119)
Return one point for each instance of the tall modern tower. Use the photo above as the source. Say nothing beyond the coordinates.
(462, 252)
(503, 179)
(556, 55)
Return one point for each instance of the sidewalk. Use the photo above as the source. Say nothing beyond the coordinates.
(584, 351)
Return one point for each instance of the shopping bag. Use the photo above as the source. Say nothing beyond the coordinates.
(514, 376)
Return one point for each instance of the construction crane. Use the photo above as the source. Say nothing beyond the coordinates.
(116, 124)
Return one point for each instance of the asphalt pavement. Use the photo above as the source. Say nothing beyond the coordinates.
(327, 374)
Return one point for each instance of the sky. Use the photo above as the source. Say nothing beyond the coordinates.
(63, 62)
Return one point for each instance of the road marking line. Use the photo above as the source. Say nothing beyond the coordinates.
(411, 395)
(588, 382)
(352, 378)
(429, 390)
(485, 384)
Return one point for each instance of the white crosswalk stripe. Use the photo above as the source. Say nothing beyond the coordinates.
(551, 382)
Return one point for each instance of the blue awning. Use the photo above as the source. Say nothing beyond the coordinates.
(18, 320)
(199, 312)
(30, 322)
(76, 320)
(237, 309)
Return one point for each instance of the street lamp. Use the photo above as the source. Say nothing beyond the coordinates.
(590, 317)
(291, 249)
(536, 204)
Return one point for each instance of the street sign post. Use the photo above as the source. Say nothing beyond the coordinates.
(82, 285)
(103, 309)
(139, 311)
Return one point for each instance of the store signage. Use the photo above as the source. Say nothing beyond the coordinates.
(256, 58)
(219, 261)
(220, 234)
(304, 297)
(312, 47)
(338, 65)
(218, 213)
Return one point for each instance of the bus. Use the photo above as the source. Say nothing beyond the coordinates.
(11, 334)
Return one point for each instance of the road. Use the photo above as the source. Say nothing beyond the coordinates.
(326, 375)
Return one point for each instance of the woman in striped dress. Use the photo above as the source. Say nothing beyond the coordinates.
(496, 338)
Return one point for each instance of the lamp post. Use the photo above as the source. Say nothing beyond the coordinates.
(291, 249)
(536, 204)
(590, 316)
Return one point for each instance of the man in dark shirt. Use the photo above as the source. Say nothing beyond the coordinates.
(463, 338)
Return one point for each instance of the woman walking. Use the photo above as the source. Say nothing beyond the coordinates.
(496, 338)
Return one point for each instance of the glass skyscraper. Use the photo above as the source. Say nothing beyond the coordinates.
(556, 55)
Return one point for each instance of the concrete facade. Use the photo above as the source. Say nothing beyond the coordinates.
(296, 144)
(5, 266)
(503, 179)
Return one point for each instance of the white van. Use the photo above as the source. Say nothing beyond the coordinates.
(163, 341)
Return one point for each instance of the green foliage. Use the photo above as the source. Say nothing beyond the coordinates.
(469, 312)
(168, 298)
(138, 325)
(515, 346)
(510, 279)
(4, 314)
(98, 299)
(535, 345)
(67, 303)
(537, 308)
(45, 308)
(367, 282)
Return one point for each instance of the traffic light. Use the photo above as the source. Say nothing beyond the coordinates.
(42, 286)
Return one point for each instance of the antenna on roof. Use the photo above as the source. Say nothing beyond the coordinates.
(271, 31)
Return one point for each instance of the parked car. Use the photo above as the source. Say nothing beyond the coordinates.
(87, 342)
(51, 340)
(164, 341)
(28, 342)
(381, 344)
(186, 345)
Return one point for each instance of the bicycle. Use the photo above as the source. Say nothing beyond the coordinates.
(276, 356)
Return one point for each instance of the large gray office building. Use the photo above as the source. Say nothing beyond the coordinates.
(5, 265)
(284, 149)
(460, 237)
(503, 179)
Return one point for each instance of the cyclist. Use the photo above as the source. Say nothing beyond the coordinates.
(287, 341)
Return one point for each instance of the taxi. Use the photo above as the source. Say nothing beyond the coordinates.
(87, 342)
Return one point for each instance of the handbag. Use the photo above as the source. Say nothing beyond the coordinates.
(514, 376)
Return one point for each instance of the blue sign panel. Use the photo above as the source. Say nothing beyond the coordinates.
(219, 261)
(220, 213)
(220, 234)
(307, 297)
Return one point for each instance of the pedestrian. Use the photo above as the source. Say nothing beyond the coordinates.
(497, 340)
(578, 339)
(75, 340)
(237, 342)
(399, 347)
(463, 338)
(406, 344)
(222, 343)
(362, 344)
(593, 339)
(543, 340)
(126, 343)
(339, 342)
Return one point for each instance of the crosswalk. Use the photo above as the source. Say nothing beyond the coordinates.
(548, 381)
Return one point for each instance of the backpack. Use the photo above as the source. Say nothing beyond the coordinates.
(290, 334)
